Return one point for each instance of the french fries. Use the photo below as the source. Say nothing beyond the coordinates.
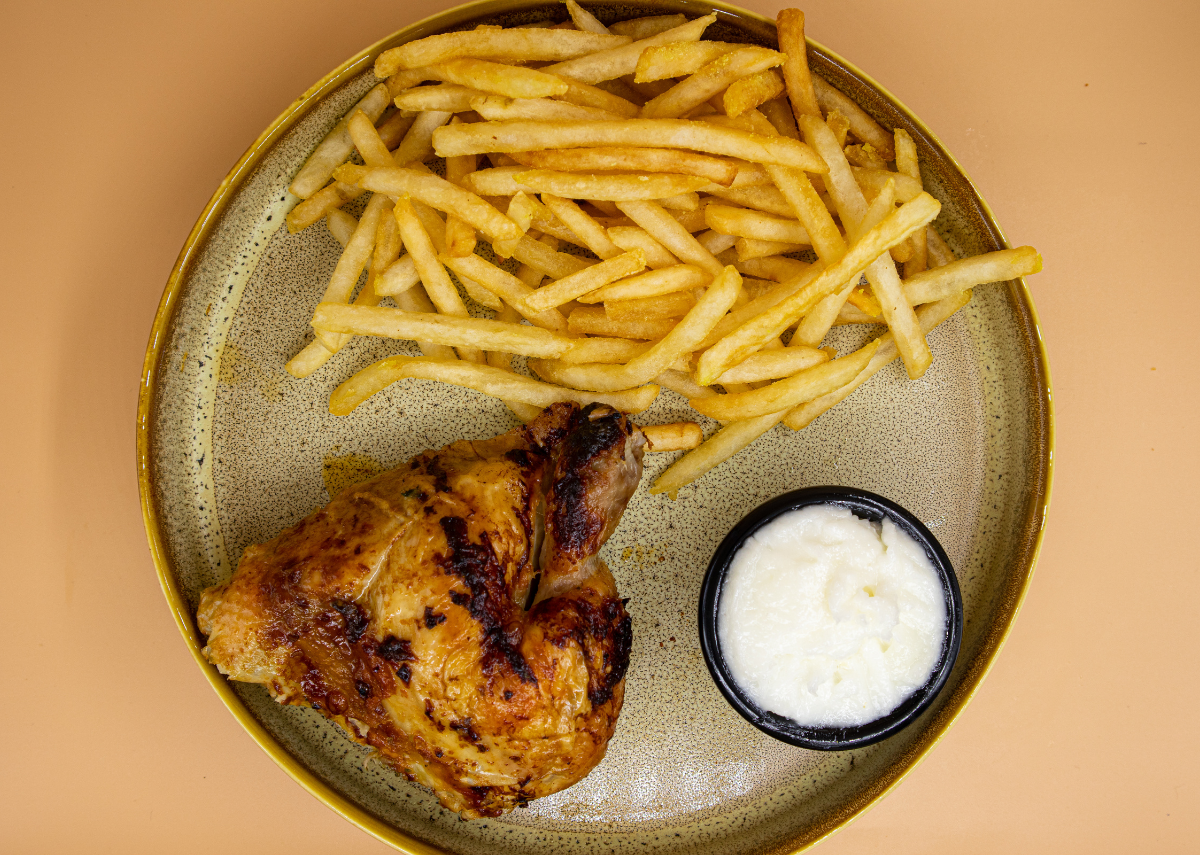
(457, 332)
(484, 137)
(631, 159)
(673, 437)
(548, 45)
(680, 164)
(586, 280)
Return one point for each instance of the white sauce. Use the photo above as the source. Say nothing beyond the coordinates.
(830, 620)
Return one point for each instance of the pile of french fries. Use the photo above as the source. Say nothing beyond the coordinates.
(682, 175)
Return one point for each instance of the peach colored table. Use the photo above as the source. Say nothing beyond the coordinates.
(1077, 121)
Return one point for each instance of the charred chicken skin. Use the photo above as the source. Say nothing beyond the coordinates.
(452, 614)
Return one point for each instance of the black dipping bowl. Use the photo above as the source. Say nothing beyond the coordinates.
(867, 506)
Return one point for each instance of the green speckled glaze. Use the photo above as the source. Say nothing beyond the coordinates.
(232, 449)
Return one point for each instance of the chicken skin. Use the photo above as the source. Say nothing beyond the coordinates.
(452, 614)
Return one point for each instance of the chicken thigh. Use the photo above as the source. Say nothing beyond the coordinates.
(452, 614)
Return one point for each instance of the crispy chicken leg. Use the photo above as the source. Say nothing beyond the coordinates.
(452, 614)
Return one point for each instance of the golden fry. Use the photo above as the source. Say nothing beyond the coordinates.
(507, 44)
(587, 280)
(484, 137)
(678, 436)
(773, 364)
(592, 320)
(458, 332)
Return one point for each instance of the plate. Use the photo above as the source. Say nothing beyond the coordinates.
(231, 450)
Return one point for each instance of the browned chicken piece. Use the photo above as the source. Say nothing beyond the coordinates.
(452, 614)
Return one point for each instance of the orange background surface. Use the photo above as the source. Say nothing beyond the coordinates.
(1078, 122)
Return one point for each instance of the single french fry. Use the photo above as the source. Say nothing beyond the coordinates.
(483, 378)
(459, 332)
(584, 19)
(754, 224)
(612, 188)
(683, 384)
(852, 314)
(444, 96)
(497, 181)
(393, 129)
(773, 364)
(682, 339)
(775, 268)
(906, 163)
(710, 80)
(591, 320)
(653, 283)
(721, 446)
(763, 197)
(506, 44)
(497, 108)
(677, 436)
(437, 193)
(397, 278)
(947, 280)
(789, 25)
(614, 62)
(861, 125)
(341, 225)
(715, 242)
(326, 200)
(643, 28)
(332, 151)
(631, 159)
(678, 59)
(752, 92)
(604, 350)
(485, 137)
(417, 145)
(367, 140)
(784, 394)
(508, 288)
(843, 189)
(593, 96)
(667, 230)
(587, 280)
(751, 248)
(779, 113)
(556, 265)
(633, 237)
(674, 305)
(929, 316)
(591, 233)
(684, 202)
(757, 331)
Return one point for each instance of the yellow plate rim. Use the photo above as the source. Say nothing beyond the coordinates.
(199, 236)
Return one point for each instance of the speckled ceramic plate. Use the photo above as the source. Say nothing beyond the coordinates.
(231, 450)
